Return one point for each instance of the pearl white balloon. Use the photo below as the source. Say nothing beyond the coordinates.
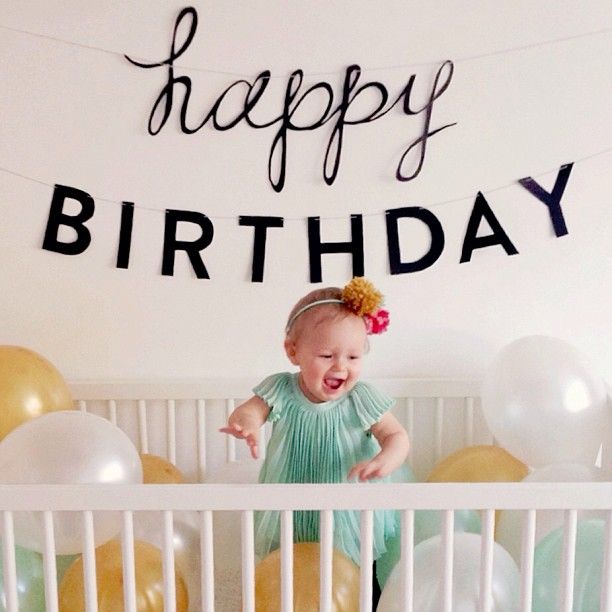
(509, 528)
(466, 578)
(67, 447)
(543, 402)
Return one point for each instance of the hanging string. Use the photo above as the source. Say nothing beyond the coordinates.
(379, 68)
(372, 214)
(467, 58)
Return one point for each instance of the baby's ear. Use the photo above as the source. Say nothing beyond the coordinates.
(290, 350)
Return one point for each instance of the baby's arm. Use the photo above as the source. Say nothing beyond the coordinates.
(394, 446)
(246, 421)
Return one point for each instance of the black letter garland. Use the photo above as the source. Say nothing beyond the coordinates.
(77, 222)
(316, 248)
(277, 160)
(261, 225)
(337, 109)
(396, 265)
(553, 199)
(125, 235)
(471, 241)
(171, 244)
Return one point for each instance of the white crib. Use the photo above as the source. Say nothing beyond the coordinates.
(180, 419)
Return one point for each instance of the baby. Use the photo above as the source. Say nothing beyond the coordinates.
(328, 426)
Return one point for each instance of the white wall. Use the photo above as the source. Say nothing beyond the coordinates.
(77, 116)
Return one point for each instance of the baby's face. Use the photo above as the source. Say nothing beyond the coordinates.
(329, 356)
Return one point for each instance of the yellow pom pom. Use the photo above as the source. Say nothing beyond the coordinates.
(361, 296)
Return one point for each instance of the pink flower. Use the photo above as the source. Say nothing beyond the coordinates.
(378, 322)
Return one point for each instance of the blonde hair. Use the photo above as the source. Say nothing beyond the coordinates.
(316, 314)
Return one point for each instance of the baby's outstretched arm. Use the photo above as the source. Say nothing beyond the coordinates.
(246, 421)
(394, 446)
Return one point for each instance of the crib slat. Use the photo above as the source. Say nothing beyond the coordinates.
(265, 432)
(606, 579)
(468, 423)
(127, 557)
(438, 428)
(168, 563)
(287, 561)
(527, 552)
(326, 533)
(171, 430)
(407, 560)
(49, 564)
(230, 441)
(89, 563)
(486, 560)
(201, 439)
(367, 532)
(8, 558)
(206, 555)
(248, 562)
(143, 434)
(568, 561)
(448, 523)
(410, 415)
(112, 411)
(410, 421)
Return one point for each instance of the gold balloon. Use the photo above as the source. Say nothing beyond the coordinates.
(157, 470)
(479, 464)
(109, 578)
(345, 581)
(29, 386)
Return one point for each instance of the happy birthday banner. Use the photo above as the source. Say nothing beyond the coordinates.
(481, 211)
(175, 93)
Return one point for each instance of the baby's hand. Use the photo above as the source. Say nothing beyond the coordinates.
(365, 470)
(250, 436)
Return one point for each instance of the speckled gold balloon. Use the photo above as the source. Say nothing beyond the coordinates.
(345, 581)
(157, 470)
(109, 578)
(482, 463)
(29, 386)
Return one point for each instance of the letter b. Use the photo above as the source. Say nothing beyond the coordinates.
(77, 222)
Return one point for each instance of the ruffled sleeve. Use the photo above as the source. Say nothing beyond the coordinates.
(274, 390)
(370, 404)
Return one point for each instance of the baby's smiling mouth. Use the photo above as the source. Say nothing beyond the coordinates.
(333, 383)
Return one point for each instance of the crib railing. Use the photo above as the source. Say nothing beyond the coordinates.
(180, 420)
(208, 499)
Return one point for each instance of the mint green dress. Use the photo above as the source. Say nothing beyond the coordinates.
(320, 442)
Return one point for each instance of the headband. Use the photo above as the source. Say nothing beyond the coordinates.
(362, 299)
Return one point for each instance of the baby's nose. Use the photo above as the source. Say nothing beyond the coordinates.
(339, 363)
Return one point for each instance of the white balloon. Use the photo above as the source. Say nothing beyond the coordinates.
(508, 531)
(544, 404)
(466, 578)
(67, 447)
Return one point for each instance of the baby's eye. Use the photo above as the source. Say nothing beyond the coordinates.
(325, 356)
(354, 357)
